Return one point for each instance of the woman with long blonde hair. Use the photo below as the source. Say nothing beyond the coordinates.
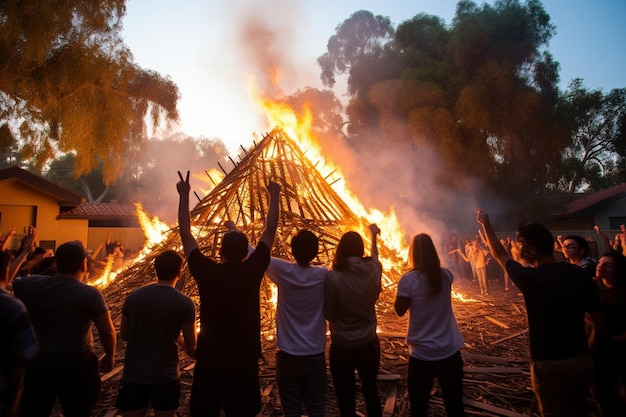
(433, 335)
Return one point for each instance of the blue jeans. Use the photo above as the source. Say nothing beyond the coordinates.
(421, 375)
(301, 379)
(366, 360)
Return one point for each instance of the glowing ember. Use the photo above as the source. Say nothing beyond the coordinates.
(460, 297)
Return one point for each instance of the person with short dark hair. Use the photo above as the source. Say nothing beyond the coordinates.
(300, 327)
(577, 252)
(18, 342)
(153, 318)
(433, 336)
(558, 297)
(63, 310)
(229, 344)
(352, 289)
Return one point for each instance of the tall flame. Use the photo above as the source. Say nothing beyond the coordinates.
(154, 230)
(299, 128)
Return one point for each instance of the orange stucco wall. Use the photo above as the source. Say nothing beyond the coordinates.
(21, 204)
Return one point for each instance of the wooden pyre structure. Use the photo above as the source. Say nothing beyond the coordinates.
(307, 202)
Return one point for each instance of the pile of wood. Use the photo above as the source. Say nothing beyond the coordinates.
(307, 201)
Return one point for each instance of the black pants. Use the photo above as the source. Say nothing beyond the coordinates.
(232, 386)
(366, 360)
(73, 379)
(421, 375)
(301, 379)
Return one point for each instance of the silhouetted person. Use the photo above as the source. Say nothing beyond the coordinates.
(557, 297)
(18, 343)
(352, 288)
(610, 354)
(229, 343)
(153, 317)
(62, 310)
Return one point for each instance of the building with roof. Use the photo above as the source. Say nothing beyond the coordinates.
(604, 208)
(61, 215)
(119, 220)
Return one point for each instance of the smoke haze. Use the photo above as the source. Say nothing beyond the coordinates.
(381, 176)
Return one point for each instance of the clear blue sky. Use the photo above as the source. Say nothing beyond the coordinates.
(203, 47)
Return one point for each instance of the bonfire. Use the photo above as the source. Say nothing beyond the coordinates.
(307, 202)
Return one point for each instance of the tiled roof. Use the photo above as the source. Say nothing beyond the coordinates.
(597, 198)
(64, 196)
(100, 211)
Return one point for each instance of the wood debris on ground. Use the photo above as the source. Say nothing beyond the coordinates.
(496, 364)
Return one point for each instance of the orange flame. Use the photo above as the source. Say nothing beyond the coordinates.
(460, 297)
(206, 183)
(299, 128)
(107, 276)
(154, 230)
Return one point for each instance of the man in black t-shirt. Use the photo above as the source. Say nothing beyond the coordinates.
(62, 309)
(557, 295)
(229, 343)
(153, 318)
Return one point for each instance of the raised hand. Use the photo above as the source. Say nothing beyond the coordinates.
(273, 187)
(230, 225)
(481, 216)
(183, 186)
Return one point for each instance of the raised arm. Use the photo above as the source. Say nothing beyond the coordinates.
(496, 248)
(29, 246)
(603, 238)
(7, 239)
(271, 224)
(184, 221)
(375, 232)
(465, 258)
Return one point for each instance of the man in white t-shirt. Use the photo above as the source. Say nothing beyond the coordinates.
(300, 327)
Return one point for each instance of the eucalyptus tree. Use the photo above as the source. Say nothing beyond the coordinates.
(480, 91)
(69, 83)
(597, 150)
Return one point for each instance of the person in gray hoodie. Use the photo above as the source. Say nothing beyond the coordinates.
(352, 288)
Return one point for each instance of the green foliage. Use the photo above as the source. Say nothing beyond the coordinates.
(356, 38)
(68, 77)
(596, 150)
(481, 92)
(61, 172)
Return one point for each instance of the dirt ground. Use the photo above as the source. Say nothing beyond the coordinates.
(496, 380)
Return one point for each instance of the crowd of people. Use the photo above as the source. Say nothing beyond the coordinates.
(575, 303)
